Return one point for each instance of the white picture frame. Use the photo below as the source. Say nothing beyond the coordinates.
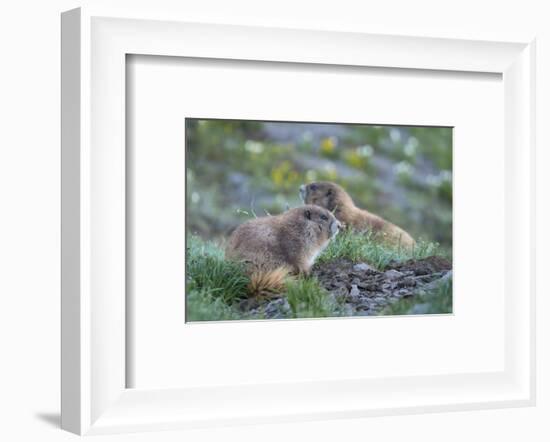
(95, 399)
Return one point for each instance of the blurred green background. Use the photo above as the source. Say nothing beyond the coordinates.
(236, 169)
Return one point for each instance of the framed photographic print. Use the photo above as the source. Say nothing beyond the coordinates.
(235, 196)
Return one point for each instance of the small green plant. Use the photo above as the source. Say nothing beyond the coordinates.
(307, 299)
(365, 247)
(208, 271)
(202, 305)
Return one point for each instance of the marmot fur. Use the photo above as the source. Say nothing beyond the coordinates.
(274, 246)
(335, 199)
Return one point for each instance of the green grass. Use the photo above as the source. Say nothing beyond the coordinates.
(202, 305)
(214, 285)
(439, 300)
(307, 299)
(359, 247)
(208, 271)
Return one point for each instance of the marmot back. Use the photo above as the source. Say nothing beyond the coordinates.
(335, 199)
(291, 240)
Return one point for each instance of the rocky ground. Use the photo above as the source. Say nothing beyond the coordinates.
(361, 290)
(366, 291)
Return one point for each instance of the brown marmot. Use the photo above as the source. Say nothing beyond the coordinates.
(274, 246)
(335, 199)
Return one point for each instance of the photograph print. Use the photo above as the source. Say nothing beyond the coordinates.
(290, 220)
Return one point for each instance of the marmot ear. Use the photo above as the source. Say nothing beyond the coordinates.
(308, 214)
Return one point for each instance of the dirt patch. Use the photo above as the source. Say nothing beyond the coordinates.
(426, 266)
(363, 290)
(358, 289)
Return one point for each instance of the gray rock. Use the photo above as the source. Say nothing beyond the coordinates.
(354, 292)
(407, 281)
(278, 308)
(393, 274)
(362, 267)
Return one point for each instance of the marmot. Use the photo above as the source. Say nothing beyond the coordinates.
(335, 199)
(274, 246)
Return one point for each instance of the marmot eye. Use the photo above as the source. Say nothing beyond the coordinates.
(313, 187)
(324, 217)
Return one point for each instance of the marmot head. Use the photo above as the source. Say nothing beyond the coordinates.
(325, 194)
(320, 220)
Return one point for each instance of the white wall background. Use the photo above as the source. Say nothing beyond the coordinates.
(29, 206)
